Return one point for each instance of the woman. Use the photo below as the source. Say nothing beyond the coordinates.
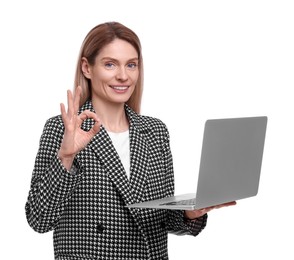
(100, 155)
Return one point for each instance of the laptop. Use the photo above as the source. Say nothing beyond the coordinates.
(230, 165)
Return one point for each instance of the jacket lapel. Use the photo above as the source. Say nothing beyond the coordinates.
(139, 156)
(131, 191)
(102, 146)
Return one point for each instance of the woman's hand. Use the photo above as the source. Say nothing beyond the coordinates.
(75, 139)
(193, 214)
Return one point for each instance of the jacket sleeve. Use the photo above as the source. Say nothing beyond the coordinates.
(176, 222)
(178, 225)
(51, 183)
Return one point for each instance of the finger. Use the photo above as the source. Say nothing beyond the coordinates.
(88, 114)
(229, 204)
(77, 97)
(63, 112)
(70, 105)
(96, 128)
(232, 203)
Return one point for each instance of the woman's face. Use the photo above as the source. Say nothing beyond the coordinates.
(115, 73)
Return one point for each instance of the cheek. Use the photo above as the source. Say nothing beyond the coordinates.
(102, 77)
(105, 75)
(135, 77)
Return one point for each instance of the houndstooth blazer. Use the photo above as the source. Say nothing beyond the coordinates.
(86, 206)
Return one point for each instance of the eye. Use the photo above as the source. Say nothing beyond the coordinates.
(132, 65)
(109, 65)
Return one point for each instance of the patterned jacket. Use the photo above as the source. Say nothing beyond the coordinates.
(86, 207)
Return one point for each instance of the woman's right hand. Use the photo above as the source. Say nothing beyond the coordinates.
(75, 139)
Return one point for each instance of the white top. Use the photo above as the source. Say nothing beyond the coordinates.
(121, 142)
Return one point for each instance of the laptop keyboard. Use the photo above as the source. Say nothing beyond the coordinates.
(181, 202)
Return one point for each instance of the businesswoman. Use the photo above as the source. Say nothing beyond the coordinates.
(100, 155)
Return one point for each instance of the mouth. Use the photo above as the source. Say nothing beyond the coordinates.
(120, 88)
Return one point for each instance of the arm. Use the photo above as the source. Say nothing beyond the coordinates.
(51, 183)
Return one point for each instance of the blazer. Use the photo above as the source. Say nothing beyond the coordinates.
(86, 206)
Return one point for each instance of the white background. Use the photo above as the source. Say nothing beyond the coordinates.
(203, 59)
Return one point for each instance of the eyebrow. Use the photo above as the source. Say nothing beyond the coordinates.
(113, 59)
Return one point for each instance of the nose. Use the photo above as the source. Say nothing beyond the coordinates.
(122, 74)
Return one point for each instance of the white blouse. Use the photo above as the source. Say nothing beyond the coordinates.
(121, 142)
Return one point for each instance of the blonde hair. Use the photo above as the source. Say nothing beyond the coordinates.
(96, 39)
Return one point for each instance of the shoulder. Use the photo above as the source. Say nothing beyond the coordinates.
(153, 123)
(54, 121)
(154, 130)
(53, 126)
(148, 125)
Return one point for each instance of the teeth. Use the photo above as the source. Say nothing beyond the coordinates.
(120, 87)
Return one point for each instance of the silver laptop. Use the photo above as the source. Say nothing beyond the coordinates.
(230, 165)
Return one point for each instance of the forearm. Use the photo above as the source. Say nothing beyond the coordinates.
(179, 225)
(67, 161)
(48, 195)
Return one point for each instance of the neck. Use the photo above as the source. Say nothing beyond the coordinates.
(112, 116)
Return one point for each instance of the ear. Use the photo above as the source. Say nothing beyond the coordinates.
(86, 68)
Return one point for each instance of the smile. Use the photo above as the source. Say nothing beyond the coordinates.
(120, 88)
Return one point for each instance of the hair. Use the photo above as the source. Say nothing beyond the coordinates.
(96, 39)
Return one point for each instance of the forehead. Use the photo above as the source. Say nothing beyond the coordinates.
(118, 49)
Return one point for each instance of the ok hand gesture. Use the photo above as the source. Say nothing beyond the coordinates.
(75, 139)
